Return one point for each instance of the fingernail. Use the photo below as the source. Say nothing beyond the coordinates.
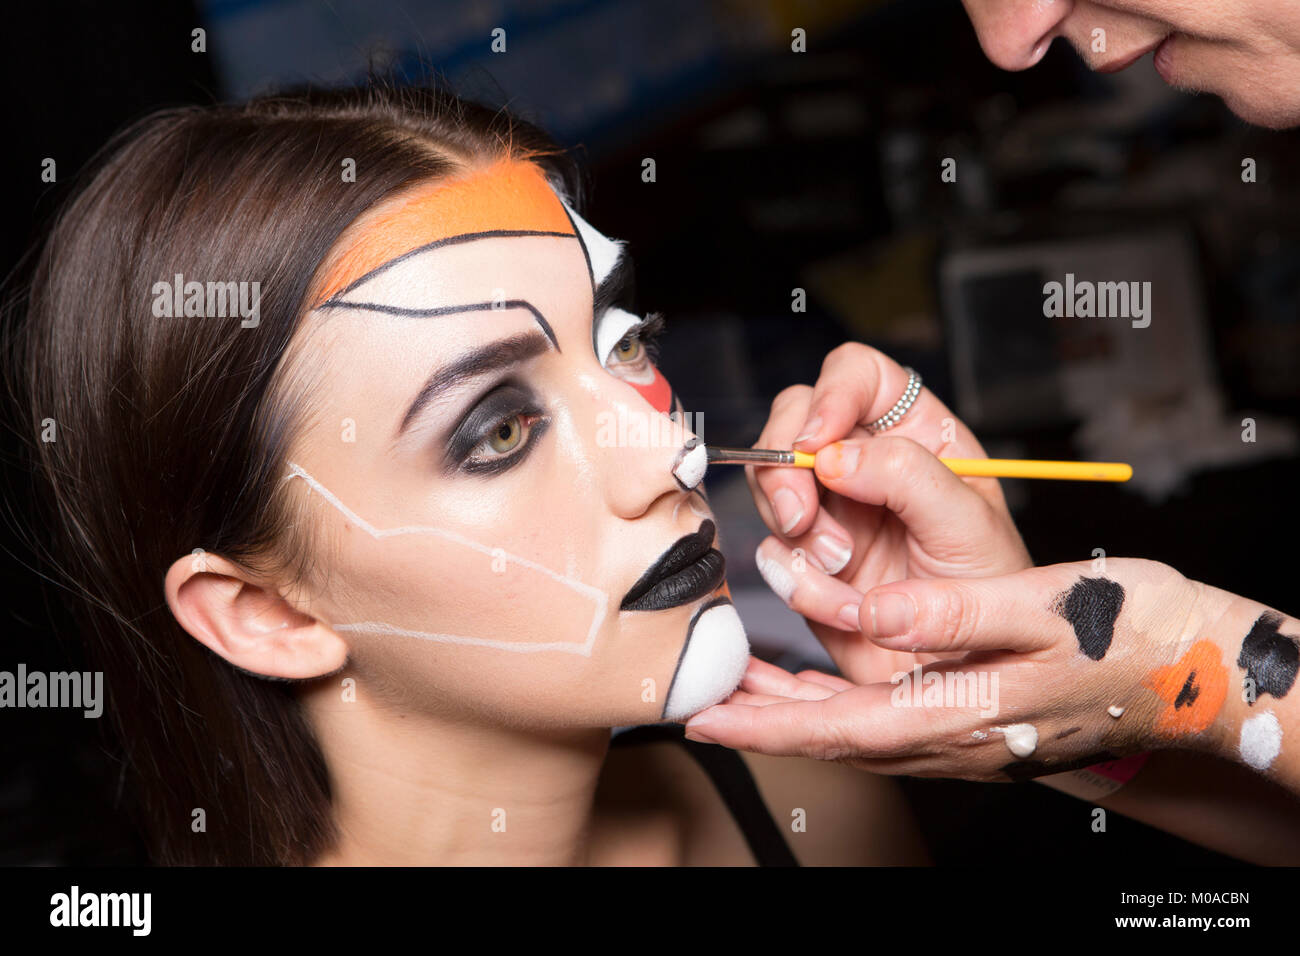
(838, 460)
(848, 616)
(788, 508)
(832, 553)
(810, 429)
(777, 577)
(695, 730)
(892, 614)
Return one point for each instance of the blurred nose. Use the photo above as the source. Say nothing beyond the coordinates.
(1015, 34)
(648, 455)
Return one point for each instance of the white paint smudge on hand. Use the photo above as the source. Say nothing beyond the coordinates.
(1261, 740)
(1022, 739)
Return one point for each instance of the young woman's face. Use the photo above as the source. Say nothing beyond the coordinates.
(1245, 51)
(492, 474)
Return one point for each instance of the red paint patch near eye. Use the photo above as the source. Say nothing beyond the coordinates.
(658, 393)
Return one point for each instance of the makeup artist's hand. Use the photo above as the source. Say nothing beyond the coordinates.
(882, 508)
(1064, 665)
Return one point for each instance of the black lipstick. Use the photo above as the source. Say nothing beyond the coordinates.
(689, 570)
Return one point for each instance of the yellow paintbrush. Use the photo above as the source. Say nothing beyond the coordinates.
(969, 467)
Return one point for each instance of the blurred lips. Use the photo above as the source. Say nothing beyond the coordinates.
(1125, 62)
(1163, 61)
(689, 570)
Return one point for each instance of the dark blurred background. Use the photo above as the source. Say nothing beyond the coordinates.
(778, 171)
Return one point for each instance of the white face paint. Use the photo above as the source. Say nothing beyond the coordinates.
(1261, 740)
(603, 251)
(690, 467)
(717, 654)
(1022, 739)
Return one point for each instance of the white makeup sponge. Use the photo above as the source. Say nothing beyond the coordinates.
(717, 654)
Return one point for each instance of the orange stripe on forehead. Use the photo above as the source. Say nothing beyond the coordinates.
(507, 195)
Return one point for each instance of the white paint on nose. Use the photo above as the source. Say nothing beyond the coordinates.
(692, 462)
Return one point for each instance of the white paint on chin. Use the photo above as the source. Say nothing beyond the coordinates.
(717, 653)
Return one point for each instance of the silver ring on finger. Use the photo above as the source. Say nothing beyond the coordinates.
(895, 414)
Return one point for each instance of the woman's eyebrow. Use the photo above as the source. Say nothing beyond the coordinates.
(618, 287)
(490, 358)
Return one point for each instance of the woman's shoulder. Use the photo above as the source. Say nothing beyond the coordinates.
(667, 801)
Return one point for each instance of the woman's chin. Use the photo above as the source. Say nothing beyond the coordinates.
(712, 662)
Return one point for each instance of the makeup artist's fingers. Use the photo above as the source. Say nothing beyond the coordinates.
(764, 678)
(838, 727)
(947, 516)
(787, 498)
(746, 698)
(937, 615)
(806, 589)
(856, 386)
(829, 681)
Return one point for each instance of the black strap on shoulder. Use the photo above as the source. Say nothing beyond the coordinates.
(735, 784)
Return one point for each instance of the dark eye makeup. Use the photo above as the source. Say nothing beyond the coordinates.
(500, 405)
(510, 400)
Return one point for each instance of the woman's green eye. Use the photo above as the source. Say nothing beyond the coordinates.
(628, 349)
(507, 435)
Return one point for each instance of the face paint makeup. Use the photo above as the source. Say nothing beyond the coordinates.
(712, 663)
(1022, 739)
(1116, 712)
(1091, 607)
(689, 570)
(1066, 733)
(1194, 688)
(509, 197)
(692, 461)
(1269, 659)
(1261, 740)
(599, 599)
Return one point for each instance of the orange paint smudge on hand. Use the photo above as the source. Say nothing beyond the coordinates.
(1194, 687)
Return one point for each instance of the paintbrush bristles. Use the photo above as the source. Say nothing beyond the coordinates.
(758, 456)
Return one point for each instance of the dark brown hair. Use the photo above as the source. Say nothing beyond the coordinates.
(170, 434)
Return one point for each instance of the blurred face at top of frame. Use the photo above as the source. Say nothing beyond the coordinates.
(489, 467)
(1245, 51)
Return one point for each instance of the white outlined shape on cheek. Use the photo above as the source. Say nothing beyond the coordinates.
(599, 599)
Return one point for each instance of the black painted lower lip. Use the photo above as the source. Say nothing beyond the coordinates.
(698, 579)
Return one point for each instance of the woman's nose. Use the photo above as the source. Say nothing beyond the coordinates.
(1015, 34)
(650, 456)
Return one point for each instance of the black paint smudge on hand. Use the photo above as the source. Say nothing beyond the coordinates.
(1091, 607)
(1022, 770)
(1269, 659)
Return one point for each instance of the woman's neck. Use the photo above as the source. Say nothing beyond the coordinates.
(411, 789)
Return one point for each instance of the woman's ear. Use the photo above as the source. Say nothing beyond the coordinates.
(249, 624)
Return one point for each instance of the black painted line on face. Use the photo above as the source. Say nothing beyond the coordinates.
(690, 633)
(451, 241)
(1022, 770)
(591, 278)
(1091, 607)
(1066, 733)
(451, 310)
(1269, 658)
